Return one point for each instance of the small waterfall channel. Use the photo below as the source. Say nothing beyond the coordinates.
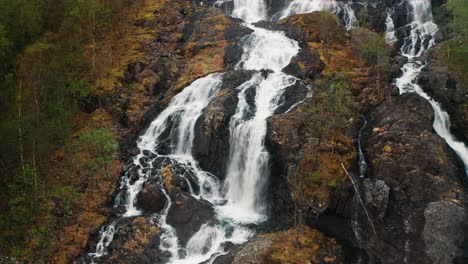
(421, 38)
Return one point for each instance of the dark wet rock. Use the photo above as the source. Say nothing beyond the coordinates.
(293, 95)
(136, 240)
(151, 199)
(187, 215)
(212, 129)
(180, 183)
(442, 231)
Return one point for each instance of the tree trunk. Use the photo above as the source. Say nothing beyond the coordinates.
(20, 132)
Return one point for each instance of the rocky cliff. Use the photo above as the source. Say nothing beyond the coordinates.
(408, 206)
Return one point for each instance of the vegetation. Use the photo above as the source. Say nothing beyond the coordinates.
(101, 144)
(455, 50)
(310, 181)
(49, 63)
(312, 247)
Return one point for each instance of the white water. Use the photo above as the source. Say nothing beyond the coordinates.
(308, 6)
(420, 39)
(390, 29)
(250, 10)
(362, 159)
(239, 200)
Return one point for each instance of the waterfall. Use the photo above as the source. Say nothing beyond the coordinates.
(238, 202)
(250, 10)
(308, 6)
(421, 37)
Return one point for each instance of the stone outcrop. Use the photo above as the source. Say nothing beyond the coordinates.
(151, 199)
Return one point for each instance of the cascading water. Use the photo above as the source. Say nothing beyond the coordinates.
(390, 28)
(170, 138)
(421, 37)
(250, 11)
(308, 6)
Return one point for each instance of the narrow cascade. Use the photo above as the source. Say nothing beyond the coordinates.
(308, 6)
(421, 37)
(390, 28)
(356, 206)
(362, 158)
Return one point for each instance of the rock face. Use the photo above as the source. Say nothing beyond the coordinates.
(376, 198)
(292, 137)
(192, 41)
(419, 169)
(411, 187)
(188, 41)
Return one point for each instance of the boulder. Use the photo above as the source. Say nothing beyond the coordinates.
(187, 215)
(151, 199)
(442, 231)
(376, 196)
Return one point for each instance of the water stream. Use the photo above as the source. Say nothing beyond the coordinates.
(239, 200)
(421, 38)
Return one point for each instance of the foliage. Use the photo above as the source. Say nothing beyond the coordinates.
(331, 105)
(310, 181)
(455, 51)
(101, 143)
(64, 199)
(364, 18)
(6, 45)
(47, 66)
(311, 247)
(375, 52)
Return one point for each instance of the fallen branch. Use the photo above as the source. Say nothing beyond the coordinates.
(359, 197)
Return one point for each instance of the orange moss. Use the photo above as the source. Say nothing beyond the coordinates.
(309, 247)
(123, 46)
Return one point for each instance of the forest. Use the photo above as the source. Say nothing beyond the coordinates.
(51, 60)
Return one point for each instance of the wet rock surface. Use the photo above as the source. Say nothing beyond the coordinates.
(212, 136)
(282, 247)
(187, 215)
